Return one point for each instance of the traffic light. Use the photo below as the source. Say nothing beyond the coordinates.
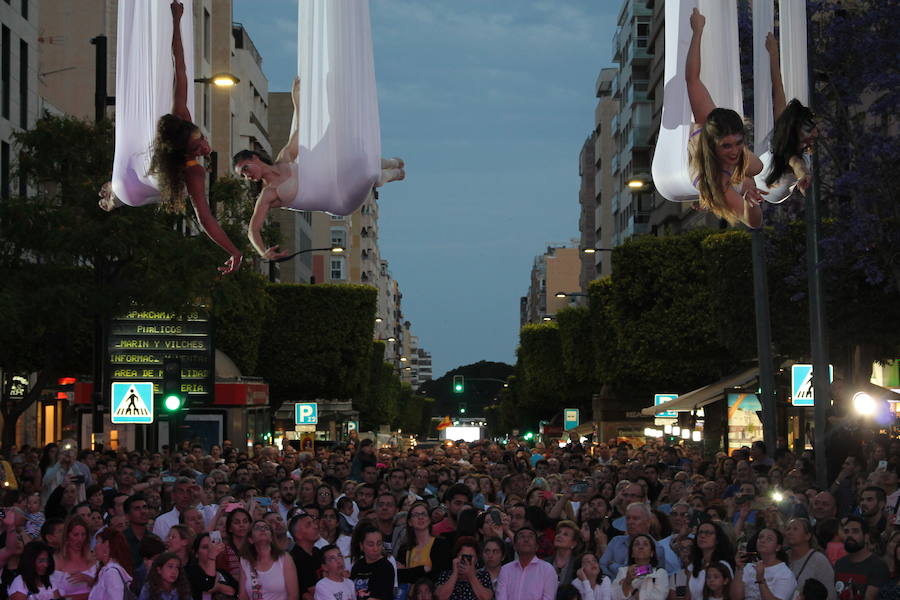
(459, 384)
(462, 408)
(173, 399)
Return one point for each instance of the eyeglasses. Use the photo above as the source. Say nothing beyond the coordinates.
(417, 515)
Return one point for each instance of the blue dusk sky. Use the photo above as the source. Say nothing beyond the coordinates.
(489, 103)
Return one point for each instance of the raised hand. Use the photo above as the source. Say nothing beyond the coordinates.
(698, 21)
(771, 44)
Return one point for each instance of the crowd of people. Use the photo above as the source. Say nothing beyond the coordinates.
(461, 521)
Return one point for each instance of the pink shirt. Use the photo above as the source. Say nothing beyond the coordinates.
(535, 581)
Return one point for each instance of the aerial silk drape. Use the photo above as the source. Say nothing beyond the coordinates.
(720, 72)
(339, 130)
(145, 74)
(793, 54)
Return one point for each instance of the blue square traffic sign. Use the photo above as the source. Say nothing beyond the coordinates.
(132, 403)
(306, 413)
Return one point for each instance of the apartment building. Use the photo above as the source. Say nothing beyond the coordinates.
(556, 270)
(19, 99)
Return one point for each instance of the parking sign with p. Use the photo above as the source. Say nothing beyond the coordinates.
(306, 413)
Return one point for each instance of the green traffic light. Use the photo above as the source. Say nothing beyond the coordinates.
(458, 388)
(172, 402)
(529, 435)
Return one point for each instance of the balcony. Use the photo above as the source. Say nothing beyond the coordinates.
(614, 164)
(614, 125)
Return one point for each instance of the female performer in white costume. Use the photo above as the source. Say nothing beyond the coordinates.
(280, 180)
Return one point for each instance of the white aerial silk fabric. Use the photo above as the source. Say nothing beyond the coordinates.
(145, 80)
(339, 160)
(720, 72)
(793, 55)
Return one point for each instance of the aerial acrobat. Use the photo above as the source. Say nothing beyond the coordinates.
(173, 166)
(720, 163)
(281, 180)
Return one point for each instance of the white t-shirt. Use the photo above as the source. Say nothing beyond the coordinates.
(327, 589)
(18, 587)
(779, 579)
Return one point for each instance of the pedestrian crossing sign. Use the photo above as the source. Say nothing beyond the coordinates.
(802, 393)
(132, 403)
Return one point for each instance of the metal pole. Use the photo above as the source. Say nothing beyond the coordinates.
(99, 43)
(99, 357)
(764, 339)
(817, 325)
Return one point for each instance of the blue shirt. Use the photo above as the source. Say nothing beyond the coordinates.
(616, 555)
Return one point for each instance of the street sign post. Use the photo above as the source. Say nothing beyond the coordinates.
(662, 399)
(132, 403)
(306, 413)
(570, 418)
(802, 387)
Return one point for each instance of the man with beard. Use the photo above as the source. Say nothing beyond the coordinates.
(365, 496)
(860, 574)
(871, 508)
(287, 489)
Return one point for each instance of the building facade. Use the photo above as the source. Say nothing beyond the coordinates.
(557, 270)
(19, 99)
(587, 219)
(604, 181)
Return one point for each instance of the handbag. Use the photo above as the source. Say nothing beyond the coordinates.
(127, 594)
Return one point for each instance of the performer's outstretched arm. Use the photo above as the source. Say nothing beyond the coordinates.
(196, 187)
(292, 148)
(778, 98)
(701, 102)
(179, 101)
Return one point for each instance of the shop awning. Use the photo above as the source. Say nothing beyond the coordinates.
(705, 395)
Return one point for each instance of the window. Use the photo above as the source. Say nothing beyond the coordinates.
(207, 28)
(337, 217)
(338, 237)
(4, 170)
(337, 268)
(23, 84)
(25, 9)
(207, 106)
(5, 44)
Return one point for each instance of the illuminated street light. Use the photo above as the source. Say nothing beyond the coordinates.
(219, 80)
(863, 403)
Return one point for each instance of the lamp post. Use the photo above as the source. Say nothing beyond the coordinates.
(332, 249)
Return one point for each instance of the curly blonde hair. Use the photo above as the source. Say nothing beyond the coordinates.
(705, 166)
(170, 150)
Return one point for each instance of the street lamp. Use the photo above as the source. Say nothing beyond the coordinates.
(570, 295)
(332, 249)
(219, 80)
(863, 403)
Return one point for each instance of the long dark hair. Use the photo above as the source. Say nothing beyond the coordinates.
(248, 155)
(654, 557)
(230, 519)
(721, 552)
(359, 534)
(780, 554)
(786, 138)
(169, 153)
(154, 581)
(704, 164)
(28, 568)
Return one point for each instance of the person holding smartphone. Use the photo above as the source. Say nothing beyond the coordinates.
(762, 572)
(642, 578)
(465, 581)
